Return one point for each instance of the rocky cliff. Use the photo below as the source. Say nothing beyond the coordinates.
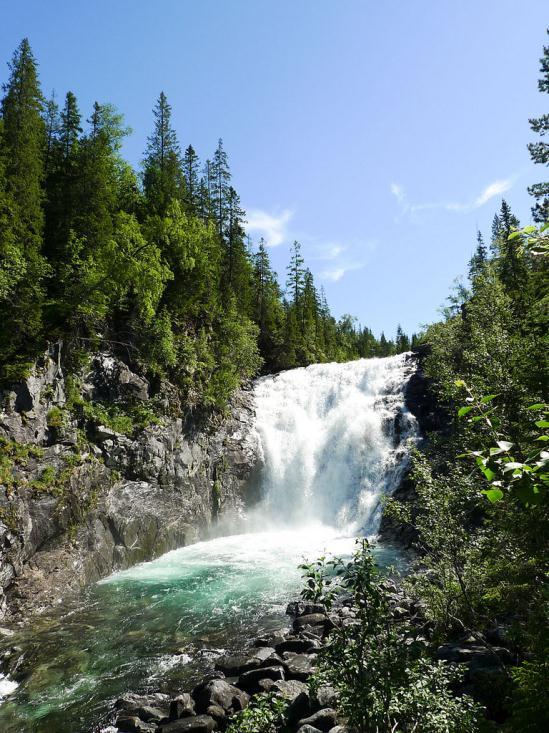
(99, 471)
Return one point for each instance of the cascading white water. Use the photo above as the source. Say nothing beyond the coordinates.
(333, 441)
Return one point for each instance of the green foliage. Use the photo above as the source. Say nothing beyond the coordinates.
(530, 712)
(377, 666)
(265, 714)
(320, 578)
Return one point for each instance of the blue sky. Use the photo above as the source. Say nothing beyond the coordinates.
(379, 134)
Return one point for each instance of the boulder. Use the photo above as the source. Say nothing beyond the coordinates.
(249, 680)
(326, 696)
(310, 619)
(300, 666)
(194, 724)
(299, 646)
(220, 693)
(236, 664)
(290, 689)
(308, 729)
(182, 706)
(133, 724)
(324, 720)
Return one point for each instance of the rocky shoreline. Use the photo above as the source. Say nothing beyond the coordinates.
(282, 664)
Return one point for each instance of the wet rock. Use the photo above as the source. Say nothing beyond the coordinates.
(310, 619)
(238, 663)
(270, 640)
(182, 706)
(132, 702)
(219, 692)
(194, 724)
(249, 680)
(132, 723)
(323, 720)
(298, 646)
(308, 729)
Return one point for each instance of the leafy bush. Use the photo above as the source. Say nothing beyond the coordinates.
(376, 665)
(265, 714)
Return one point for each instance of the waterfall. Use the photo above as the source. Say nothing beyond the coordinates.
(333, 441)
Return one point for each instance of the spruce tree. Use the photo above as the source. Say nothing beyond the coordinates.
(22, 152)
(539, 151)
(192, 180)
(163, 178)
(219, 183)
(478, 261)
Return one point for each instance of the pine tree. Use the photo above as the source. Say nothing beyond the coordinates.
(478, 261)
(22, 153)
(219, 183)
(192, 181)
(402, 342)
(52, 121)
(163, 178)
(268, 312)
(539, 151)
(296, 273)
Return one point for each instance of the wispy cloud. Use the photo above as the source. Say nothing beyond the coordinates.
(272, 227)
(341, 259)
(334, 274)
(496, 188)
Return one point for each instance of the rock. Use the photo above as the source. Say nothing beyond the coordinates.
(271, 640)
(249, 680)
(217, 713)
(130, 702)
(293, 645)
(131, 723)
(341, 729)
(290, 689)
(194, 724)
(182, 706)
(300, 666)
(308, 729)
(326, 696)
(238, 663)
(299, 708)
(220, 693)
(310, 619)
(324, 720)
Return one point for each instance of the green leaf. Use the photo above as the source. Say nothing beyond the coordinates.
(511, 466)
(543, 437)
(505, 445)
(489, 474)
(514, 235)
(463, 411)
(493, 495)
(537, 406)
(459, 383)
(542, 423)
(488, 398)
(529, 229)
(477, 418)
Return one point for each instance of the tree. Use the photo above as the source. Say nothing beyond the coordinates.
(539, 151)
(402, 342)
(192, 181)
(163, 178)
(478, 261)
(296, 273)
(219, 185)
(22, 158)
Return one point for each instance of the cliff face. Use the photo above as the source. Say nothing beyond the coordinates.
(79, 499)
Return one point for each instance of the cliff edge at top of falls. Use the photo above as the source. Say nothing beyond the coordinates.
(80, 498)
